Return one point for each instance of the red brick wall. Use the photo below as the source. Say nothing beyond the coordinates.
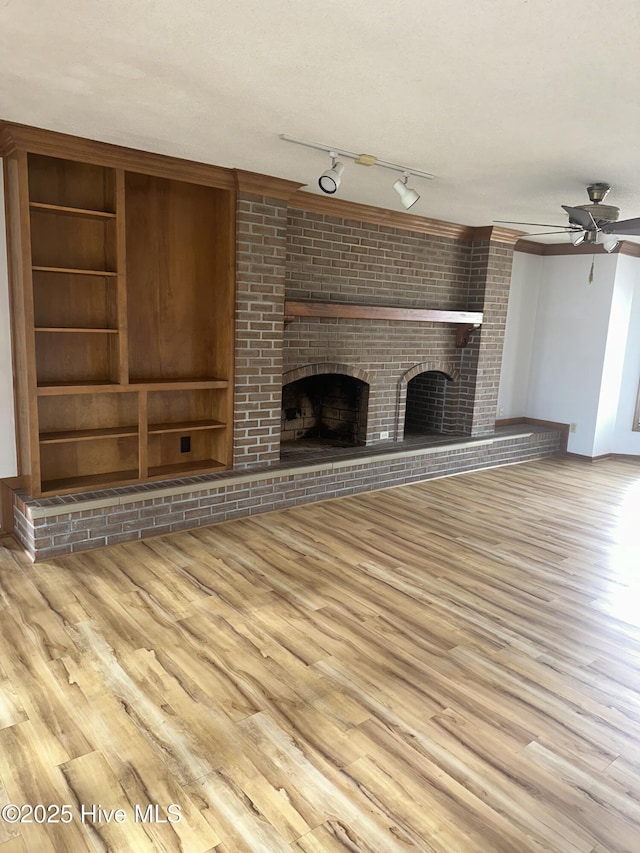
(329, 257)
(260, 276)
(489, 283)
(342, 260)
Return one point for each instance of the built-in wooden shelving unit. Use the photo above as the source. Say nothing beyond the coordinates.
(122, 281)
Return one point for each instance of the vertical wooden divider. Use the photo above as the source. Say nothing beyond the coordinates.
(121, 268)
(143, 434)
(21, 301)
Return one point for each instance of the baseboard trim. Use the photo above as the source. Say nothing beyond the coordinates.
(605, 456)
(582, 457)
(6, 508)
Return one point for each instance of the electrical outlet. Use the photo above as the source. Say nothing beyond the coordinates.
(384, 435)
(573, 427)
(501, 411)
(185, 444)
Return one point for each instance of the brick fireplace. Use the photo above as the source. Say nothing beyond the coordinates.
(296, 247)
(288, 252)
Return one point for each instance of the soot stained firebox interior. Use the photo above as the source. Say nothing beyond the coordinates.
(329, 407)
(428, 408)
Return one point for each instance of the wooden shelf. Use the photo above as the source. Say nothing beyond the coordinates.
(63, 210)
(53, 389)
(76, 330)
(75, 271)
(69, 436)
(350, 311)
(185, 426)
(76, 484)
(178, 384)
(49, 389)
(185, 469)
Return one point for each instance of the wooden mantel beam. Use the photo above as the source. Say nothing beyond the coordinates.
(351, 311)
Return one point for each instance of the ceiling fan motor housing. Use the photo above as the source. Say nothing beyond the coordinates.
(601, 212)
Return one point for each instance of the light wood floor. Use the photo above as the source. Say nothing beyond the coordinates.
(450, 666)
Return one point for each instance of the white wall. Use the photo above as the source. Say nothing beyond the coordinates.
(8, 465)
(519, 335)
(570, 344)
(616, 344)
(572, 348)
(625, 440)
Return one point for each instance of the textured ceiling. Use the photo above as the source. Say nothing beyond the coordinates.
(514, 105)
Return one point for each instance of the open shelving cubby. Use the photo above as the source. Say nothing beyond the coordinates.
(186, 430)
(87, 438)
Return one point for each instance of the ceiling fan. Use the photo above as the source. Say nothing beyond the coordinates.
(591, 223)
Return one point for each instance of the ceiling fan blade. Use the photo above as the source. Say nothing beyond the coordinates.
(549, 233)
(578, 216)
(537, 224)
(631, 227)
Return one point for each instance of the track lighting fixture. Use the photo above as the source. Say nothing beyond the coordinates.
(329, 181)
(408, 196)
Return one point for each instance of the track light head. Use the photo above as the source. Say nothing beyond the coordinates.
(408, 196)
(329, 181)
(577, 237)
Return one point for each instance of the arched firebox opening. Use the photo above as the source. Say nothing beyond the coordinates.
(327, 408)
(428, 410)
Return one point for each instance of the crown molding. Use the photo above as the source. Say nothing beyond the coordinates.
(530, 247)
(627, 248)
(314, 203)
(258, 184)
(7, 141)
(552, 249)
(493, 234)
(35, 140)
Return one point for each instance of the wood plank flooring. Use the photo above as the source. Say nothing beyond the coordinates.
(448, 666)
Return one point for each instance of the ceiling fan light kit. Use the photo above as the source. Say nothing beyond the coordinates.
(609, 242)
(329, 181)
